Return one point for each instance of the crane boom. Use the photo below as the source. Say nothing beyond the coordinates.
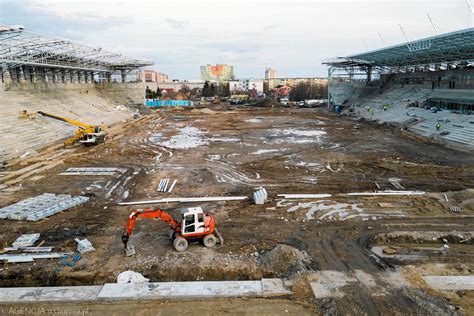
(70, 121)
(86, 133)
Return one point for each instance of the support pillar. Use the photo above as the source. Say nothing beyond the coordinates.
(123, 75)
(34, 77)
(330, 71)
(369, 74)
(19, 75)
(7, 78)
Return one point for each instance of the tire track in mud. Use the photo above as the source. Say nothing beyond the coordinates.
(226, 173)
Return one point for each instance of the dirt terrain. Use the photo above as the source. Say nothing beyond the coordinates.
(232, 151)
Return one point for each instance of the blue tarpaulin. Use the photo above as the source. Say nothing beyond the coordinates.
(162, 103)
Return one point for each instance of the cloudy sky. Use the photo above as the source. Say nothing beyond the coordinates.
(291, 36)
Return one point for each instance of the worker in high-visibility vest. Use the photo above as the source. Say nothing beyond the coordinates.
(438, 126)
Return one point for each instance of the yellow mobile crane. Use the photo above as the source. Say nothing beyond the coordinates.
(86, 134)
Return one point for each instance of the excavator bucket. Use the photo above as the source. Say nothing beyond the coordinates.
(218, 234)
(130, 250)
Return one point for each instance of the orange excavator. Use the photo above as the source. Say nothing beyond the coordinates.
(194, 225)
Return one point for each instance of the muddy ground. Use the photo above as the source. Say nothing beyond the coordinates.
(233, 151)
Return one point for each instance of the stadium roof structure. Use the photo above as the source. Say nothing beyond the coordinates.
(455, 47)
(19, 47)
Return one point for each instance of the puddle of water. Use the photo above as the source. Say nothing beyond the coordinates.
(188, 137)
(264, 151)
(224, 139)
(254, 120)
(298, 132)
(155, 138)
(292, 135)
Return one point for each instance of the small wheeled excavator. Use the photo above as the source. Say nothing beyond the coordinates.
(85, 134)
(195, 225)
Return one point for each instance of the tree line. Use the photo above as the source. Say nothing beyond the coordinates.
(308, 91)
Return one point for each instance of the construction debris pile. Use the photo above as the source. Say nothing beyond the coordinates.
(25, 253)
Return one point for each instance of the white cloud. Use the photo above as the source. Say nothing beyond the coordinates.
(291, 36)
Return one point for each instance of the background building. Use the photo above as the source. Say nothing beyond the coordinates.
(291, 82)
(152, 76)
(219, 72)
(246, 85)
(270, 73)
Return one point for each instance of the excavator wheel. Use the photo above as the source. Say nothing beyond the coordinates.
(209, 241)
(180, 244)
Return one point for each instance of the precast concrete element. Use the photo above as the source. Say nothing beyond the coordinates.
(84, 246)
(25, 240)
(41, 206)
(146, 291)
(260, 196)
(91, 171)
(188, 200)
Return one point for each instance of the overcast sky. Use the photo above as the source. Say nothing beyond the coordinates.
(293, 37)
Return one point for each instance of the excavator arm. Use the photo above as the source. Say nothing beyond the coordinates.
(146, 213)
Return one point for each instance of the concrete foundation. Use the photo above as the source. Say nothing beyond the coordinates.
(154, 290)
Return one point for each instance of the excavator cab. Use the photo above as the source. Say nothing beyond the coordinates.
(192, 221)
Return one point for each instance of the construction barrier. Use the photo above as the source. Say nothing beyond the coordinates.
(164, 103)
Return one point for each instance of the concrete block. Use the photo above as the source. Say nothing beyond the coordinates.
(84, 246)
(260, 196)
(49, 294)
(169, 290)
(274, 287)
(450, 282)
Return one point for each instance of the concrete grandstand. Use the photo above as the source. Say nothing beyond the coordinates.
(418, 85)
(42, 73)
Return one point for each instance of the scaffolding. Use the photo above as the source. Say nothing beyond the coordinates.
(20, 48)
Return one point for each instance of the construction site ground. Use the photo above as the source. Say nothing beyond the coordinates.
(230, 151)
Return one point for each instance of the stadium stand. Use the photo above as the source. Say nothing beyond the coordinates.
(416, 85)
(42, 73)
(85, 104)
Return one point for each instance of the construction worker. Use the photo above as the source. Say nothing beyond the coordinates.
(385, 107)
(438, 126)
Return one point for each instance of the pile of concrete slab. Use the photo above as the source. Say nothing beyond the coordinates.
(41, 206)
(28, 253)
(25, 240)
